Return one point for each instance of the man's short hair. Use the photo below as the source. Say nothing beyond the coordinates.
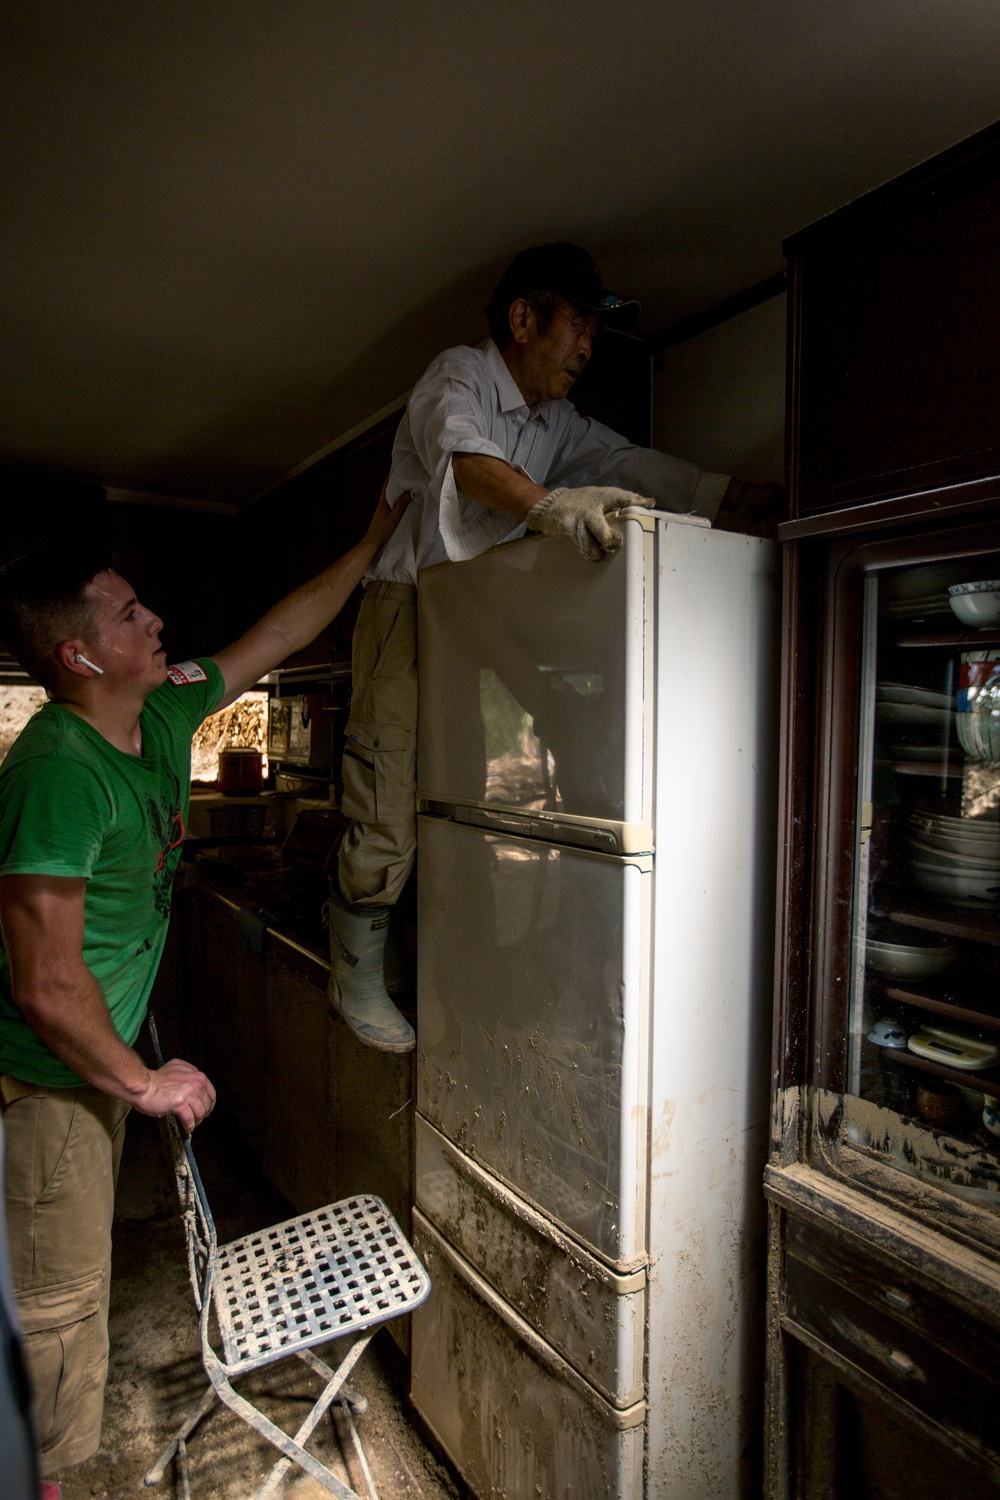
(541, 301)
(43, 601)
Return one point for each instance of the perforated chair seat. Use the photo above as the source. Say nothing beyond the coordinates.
(339, 1270)
(333, 1274)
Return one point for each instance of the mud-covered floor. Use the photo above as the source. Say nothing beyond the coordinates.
(156, 1375)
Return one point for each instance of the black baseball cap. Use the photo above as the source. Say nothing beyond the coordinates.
(570, 272)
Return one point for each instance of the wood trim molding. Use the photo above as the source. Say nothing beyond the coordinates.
(970, 496)
(742, 302)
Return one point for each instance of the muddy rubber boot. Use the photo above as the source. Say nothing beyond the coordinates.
(357, 985)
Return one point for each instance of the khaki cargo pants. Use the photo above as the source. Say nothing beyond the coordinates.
(62, 1150)
(380, 756)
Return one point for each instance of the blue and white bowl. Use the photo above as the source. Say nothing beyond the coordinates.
(888, 1033)
(977, 604)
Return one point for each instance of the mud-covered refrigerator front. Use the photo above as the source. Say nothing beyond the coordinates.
(537, 768)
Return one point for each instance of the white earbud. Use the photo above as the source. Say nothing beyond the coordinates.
(92, 665)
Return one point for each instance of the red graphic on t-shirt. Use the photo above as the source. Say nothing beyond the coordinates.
(166, 821)
(176, 839)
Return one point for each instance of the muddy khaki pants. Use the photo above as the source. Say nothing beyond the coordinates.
(62, 1150)
(380, 757)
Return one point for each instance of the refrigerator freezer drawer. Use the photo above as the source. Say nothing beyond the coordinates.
(593, 1317)
(514, 1417)
(533, 1002)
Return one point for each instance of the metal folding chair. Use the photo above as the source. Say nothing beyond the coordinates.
(340, 1271)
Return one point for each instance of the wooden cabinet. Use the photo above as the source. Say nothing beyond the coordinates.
(327, 1116)
(854, 1442)
(226, 1010)
(299, 1154)
(895, 341)
(890, 1345)
(884, 1351)
(373, 1099)
(884, 1178)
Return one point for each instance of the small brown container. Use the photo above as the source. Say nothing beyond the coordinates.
(937, 1104)
(241, 772)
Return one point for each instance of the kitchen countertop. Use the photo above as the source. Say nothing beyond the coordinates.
(289, 899)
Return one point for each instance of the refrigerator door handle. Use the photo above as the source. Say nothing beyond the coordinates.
(500, 820)
(599, 835)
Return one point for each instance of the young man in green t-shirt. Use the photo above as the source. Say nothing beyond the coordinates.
(93, 801)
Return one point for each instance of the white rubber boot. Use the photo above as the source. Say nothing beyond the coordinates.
(357, 985)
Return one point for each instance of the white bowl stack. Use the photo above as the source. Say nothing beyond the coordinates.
(956, 858)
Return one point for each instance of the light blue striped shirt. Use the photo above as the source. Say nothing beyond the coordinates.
(468, 402)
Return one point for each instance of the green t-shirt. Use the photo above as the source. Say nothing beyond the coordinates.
(72, 804)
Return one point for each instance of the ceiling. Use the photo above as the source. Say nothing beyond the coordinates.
(235, 229)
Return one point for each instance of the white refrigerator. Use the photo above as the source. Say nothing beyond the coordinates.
(596, 785)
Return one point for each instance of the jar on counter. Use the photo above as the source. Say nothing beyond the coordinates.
(241, 772)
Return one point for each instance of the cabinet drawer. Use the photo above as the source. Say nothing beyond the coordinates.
(939, 1384)
(895, 1291)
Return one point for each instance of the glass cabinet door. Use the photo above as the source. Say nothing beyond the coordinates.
(921, 1055)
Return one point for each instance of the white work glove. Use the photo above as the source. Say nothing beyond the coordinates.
(580, 515)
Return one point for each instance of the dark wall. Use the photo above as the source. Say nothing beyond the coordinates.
(615, 386)
(39, 510)
(313, 519)
(210, 576)
(190, 567)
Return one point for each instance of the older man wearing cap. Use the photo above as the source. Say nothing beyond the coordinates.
(489, 447)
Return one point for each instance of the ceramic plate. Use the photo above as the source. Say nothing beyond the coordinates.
(901, 961)
(948, 844)
(913, 713)
(898, 692)
(971, 828)
(977, 862)
(917, 752)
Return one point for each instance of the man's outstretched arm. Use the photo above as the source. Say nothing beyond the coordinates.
(42, 920)
(579, 513)
(495, 483)
(298, 618)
